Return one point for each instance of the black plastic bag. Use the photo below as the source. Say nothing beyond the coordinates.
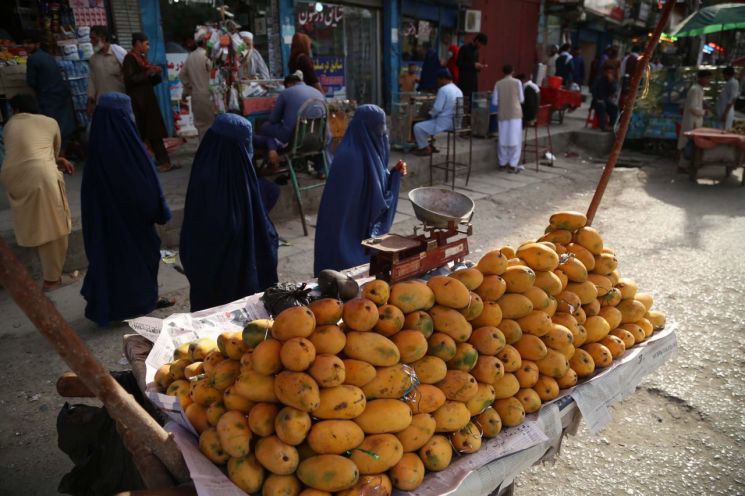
(285, 295)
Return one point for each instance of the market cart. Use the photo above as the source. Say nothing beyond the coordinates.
(561, 101)
(716, 147)
(411, 108)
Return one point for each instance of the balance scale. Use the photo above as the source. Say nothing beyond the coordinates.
(446, 224)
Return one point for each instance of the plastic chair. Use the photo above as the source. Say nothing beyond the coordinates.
(543, 119)
(461, 127)
(309, 140)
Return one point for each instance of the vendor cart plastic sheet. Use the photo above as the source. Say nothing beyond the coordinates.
(707, 138)
(492, 467)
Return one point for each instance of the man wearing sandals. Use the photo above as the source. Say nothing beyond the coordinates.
(33, 180)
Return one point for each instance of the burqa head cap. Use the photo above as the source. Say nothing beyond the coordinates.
(115, 101)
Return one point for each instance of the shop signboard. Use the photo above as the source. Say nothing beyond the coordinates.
(614, 9)
(320, 15)
(330, 72)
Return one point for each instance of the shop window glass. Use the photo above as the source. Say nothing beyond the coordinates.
(345, 48)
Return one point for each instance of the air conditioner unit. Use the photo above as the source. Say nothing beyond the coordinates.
(469, 21)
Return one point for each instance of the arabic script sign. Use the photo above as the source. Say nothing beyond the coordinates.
(330, 72)
(329, 16)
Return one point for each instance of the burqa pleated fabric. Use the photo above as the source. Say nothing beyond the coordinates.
(228, 243)
(121, 201)
(430, 67)
(361, 194)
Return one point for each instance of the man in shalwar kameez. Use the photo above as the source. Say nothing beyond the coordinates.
(32, 178)
(507, 97)
(195, 75)
(442, 113)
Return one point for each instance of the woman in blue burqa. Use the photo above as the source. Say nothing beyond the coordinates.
(228, 243)
(360, 197)
(428, 76)
(121, 201)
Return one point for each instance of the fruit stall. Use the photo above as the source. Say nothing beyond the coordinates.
(444, 383)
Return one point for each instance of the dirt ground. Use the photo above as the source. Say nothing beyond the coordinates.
(682, 432)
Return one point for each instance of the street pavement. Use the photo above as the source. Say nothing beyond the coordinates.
(683, 432)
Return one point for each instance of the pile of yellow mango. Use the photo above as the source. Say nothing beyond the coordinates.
(369, 395)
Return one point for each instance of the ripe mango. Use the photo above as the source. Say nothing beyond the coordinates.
(510, 358)
(657, 319)
(586, 291)
(474, 308)
(390, 382)
(548, 281)
(631, 310)
(328, 339)
(493, 262)
(451, 322)
(256, 331)
(489, 422)
(605, 263)
(510, 410)
(261, 418)
(441, 346)
(646, 299)
(385, 416)
(527, 374)
(430, 369)
(360, 314)
(538, 256)
(466, 440)
(531, 347)
(458, 385)
(358, 372)
(298, 390)
(377, 291)
(390, 320)
(465, 357)
(292, 425)
(597, 328)
(425, 398)
(511, 330)
(492, 288)
(471, 278)
(539, 298)
(420, 321)
(483, 399)
(328, 370)
(388, 449)
(436, 454)
(554, 364)
(514, 306)
(567, 380)
(537, 323)
(567, 220)
(266, 359)
(488, 369)
(624, 335)
(327, 311)
(451, 416)
(329, 473)
(615, 345)
(530, 400)
(602, 283)
(412, 345)
(612, 315)
(449, 292)
(506, 386)
(246, 472)
(547, 388)
(559, 236)
(410, 296)
(371, 347)
(583, 254)
(491, 315)
(422, 428)
(487, 340)
(589, 238)
(297, 354)
(599, 353)
(340, 403)
(294, 322)
(519, 278)
(408, 473)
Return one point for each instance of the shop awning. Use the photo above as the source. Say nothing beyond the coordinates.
(722, 17)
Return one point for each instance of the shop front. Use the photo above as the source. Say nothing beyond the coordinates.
(346, 47)
(426, 26)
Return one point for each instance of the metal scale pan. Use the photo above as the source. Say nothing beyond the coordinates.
(441, 208)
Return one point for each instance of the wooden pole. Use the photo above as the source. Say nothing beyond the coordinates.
(626, 116)
(122, 407)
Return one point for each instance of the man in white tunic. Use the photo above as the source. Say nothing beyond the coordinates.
(727, 99)
(694, 109)
(253, 65)
(507, 97)
(195, 76)
(442, 112)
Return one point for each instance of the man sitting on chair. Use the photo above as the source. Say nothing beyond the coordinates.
(442, 112)
(278, 132)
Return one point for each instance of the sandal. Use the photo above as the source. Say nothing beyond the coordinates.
(65, 280)
(165, 303)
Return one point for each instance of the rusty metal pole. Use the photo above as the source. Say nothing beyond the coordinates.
(122, 407)
(626, 116)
